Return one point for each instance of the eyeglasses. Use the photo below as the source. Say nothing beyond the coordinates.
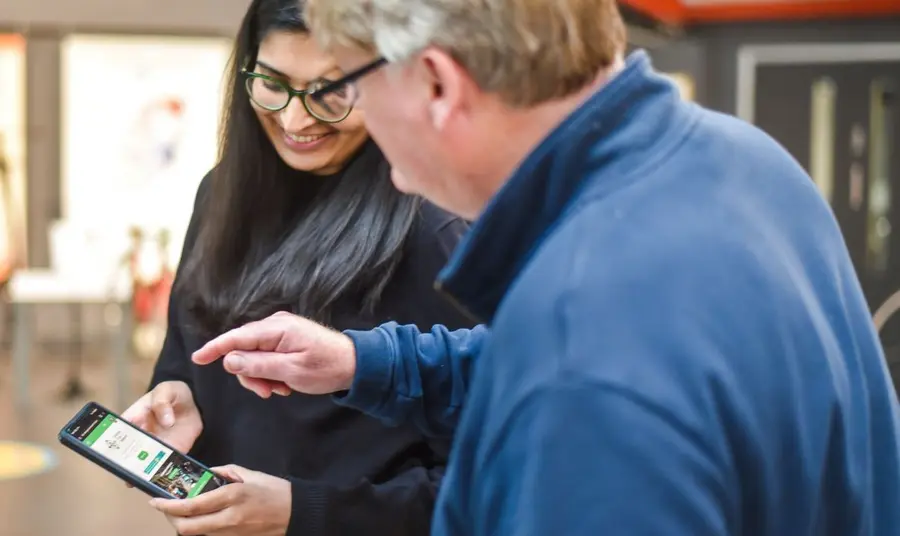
(328, 101)
(274, 95)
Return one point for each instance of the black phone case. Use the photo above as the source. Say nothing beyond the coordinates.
(79, 448)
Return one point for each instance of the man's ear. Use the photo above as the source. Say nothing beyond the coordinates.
(446, 85)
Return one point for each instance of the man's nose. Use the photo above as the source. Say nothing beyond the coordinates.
(295, 118)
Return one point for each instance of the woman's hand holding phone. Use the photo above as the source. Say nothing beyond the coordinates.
(255, 504)
(169, 413)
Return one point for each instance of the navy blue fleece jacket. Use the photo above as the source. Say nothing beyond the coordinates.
(677, 343)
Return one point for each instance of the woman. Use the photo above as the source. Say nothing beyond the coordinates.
(298, 215)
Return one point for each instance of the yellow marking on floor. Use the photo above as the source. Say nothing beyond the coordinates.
(19, 460)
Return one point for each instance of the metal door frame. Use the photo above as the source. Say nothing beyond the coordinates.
(749, 57)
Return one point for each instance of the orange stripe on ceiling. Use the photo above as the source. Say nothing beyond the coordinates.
(810, 9)
(675, 12)
(665, 11)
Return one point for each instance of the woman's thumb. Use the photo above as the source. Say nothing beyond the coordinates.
(234, 473)
(163, 407)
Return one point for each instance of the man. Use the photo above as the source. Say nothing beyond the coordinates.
(678, 342)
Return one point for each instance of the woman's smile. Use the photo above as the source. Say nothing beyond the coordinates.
(306, 142)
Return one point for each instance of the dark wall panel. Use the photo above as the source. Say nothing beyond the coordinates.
(720, 46)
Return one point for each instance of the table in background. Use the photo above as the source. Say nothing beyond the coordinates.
(29, 288)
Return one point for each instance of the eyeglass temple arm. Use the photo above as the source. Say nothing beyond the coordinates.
(320, 93)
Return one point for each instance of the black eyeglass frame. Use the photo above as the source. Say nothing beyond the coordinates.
(350, 78)
(301, 94)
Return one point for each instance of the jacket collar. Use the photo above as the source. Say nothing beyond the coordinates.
(613, 131)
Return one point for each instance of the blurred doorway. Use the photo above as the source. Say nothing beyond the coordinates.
(840, 121)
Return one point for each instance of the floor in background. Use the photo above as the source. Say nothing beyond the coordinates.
(75, 498)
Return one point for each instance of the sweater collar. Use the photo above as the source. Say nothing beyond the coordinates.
(612, 131)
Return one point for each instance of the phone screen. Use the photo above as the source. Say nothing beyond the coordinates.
(128, 447)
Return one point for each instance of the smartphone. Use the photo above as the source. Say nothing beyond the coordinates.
(135, 456)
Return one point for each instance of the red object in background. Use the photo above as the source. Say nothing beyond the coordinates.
(150, 300)
(665, 11)
(150, 289)
(677, 13)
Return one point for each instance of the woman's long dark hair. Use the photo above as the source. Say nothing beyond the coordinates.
(273, 238)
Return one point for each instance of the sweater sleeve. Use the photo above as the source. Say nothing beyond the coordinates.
(404, 375)
(401, 506)
(174, 361)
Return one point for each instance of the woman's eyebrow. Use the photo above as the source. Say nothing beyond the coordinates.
(268, 67)
(276, 72)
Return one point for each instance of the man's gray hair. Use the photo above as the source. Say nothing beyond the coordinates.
(528, 51)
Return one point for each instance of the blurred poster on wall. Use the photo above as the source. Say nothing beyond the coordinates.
(12, 154)
(139, 131)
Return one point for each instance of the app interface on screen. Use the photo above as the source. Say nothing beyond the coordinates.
(129, 448)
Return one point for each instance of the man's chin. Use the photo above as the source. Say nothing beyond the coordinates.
(400, 182)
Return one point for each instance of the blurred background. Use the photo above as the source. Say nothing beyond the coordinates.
(108, 121)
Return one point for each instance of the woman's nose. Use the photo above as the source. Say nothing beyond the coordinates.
(295, 117)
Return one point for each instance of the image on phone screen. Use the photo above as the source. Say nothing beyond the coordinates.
(126, 446)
